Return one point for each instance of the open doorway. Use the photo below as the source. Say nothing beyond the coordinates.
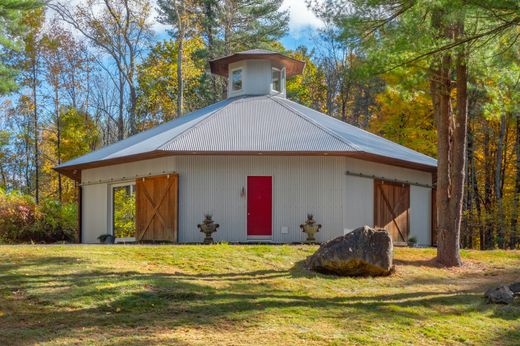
(123, 212)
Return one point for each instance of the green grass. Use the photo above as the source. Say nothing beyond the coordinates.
(250, 295)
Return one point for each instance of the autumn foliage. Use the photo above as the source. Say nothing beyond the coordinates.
(23, 221)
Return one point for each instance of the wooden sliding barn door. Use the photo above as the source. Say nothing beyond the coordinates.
(157, 208)
(391, 208)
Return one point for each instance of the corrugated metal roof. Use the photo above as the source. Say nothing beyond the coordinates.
(148, 140)
(363, 140)
(255, 124)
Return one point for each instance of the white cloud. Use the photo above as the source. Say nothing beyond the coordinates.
(157, 27)
(301, 17)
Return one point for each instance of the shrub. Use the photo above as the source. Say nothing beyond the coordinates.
(22, 221)
(17, 216)
(56, 222)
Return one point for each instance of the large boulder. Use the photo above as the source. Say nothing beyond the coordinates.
(362, 252)
(499, 295)
(515, 288)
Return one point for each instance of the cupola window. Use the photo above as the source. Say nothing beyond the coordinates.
(276, 80)
(236, 80)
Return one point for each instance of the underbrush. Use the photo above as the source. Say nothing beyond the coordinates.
(24, 221)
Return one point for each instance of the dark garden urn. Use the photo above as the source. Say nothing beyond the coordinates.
(311, 228)
(208, 227)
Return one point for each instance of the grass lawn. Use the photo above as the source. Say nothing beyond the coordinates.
(226, 294)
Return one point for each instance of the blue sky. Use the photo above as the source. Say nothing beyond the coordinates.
(305, 37)
(302, 25)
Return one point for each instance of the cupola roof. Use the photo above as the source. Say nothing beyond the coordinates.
(292, 66)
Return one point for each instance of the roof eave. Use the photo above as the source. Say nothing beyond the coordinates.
(74, 171)
(220, 66)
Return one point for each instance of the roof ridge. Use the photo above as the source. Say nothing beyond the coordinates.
(189, 129)
(318, 125)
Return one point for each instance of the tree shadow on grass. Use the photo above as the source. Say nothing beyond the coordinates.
(431, 263)
(39, 262)
(120, 302)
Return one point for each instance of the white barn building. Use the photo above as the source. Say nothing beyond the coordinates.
(258, 163)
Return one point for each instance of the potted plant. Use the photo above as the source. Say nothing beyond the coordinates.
(311, 228)
(412, 241)
(107, 239)
(208, 227)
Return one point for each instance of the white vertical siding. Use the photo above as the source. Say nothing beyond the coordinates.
(358, 202)
(420, 214)
(256, 78)
(95, 212)
(359, 199)
(213, 184)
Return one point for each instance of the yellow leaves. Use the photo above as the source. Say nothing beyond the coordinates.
(157, 77)
(308, 88)
(405, 118)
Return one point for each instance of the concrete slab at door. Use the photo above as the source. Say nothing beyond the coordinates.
(157, 208)
(259, 206)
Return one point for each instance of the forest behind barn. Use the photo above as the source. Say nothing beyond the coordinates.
(78, 76)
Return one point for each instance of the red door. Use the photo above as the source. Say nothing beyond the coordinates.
(259, 206)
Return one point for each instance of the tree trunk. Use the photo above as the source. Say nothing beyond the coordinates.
(209, 23)
(4, 177)
(498, 183)
(444, 233)
(36, 137)
(132, 123)
(488, 230)
(120, 118)
(468, 199)
(473, 185)
(513, 238)
(27, 163)
(228, 23)
(443, 90)
(452, 137)
(58, 139)
(180, 82)
(343, 109)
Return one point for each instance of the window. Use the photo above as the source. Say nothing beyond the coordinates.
(123, 210)
(276, 80)
(236, 80)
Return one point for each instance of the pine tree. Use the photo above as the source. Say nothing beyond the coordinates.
(11, 31)
(444, 34)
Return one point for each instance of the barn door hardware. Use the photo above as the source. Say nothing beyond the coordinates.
(396, 181)
(125, 179)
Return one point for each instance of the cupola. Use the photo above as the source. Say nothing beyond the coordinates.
(256, 72)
